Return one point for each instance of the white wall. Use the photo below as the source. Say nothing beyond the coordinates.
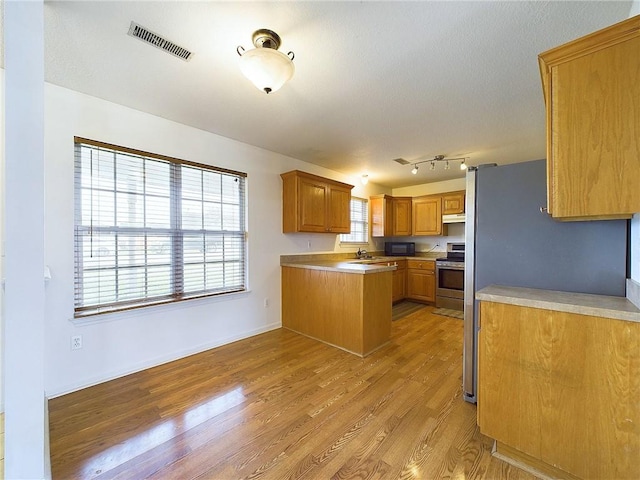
(432, 188)
(121, 343)
(2, 189)
(25, 449)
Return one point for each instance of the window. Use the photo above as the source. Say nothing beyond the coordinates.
(359, 222)
(152, 229)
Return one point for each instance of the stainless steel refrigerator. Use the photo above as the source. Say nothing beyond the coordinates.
(509, 241)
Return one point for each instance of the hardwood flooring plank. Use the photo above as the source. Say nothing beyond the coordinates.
(280, 405)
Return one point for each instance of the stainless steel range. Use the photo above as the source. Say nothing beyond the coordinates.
(450, 278)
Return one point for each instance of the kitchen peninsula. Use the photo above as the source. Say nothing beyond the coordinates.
(344, 303)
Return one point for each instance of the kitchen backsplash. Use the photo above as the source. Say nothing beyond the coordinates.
(425, 244)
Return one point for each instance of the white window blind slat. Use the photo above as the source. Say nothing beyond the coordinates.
(149, 230)
(359, 222)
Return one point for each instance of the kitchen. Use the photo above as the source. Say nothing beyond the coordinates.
(508, 203)
(143, 339)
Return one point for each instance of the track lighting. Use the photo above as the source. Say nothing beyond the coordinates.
(432, 163)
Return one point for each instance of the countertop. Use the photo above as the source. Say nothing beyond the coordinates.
(618, 308)
(349, 264)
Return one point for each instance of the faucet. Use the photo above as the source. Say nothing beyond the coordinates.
(361, 253)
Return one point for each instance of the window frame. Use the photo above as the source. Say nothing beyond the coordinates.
(365, 223)
(176, 232)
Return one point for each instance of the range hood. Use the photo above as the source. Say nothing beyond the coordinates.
(455, 218)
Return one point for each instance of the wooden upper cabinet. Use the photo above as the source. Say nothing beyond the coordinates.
(315, 204)
(381, 211)
(427, 215)
(453, 203)
(401, 216)
(390, 216)
(592, 93)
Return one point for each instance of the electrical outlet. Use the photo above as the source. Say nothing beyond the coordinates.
(76, 342)
(266, 302)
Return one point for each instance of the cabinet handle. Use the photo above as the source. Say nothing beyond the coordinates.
(544, 210)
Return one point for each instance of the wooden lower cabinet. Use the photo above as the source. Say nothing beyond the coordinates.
(351, 311)
(399, 282)
(399, 287)
(561, 388)
(421, 280)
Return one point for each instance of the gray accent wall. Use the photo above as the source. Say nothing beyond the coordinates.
(517, 245)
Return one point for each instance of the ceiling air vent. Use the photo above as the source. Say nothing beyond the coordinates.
(401, 161)
(138, 31)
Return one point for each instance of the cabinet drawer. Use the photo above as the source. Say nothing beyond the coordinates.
(428, 265)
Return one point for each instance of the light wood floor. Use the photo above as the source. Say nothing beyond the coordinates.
(282, 406)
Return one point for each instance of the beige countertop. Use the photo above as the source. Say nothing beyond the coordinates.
(581, 303)
(347, 263)
(347, 266)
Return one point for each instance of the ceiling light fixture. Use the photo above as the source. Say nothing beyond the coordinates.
(364, 179)
(266, 67)
(438, 158)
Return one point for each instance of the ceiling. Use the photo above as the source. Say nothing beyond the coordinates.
(374, 81)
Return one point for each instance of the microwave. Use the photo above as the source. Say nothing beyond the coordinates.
(397, 249)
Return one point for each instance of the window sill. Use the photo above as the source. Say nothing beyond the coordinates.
(146, 310)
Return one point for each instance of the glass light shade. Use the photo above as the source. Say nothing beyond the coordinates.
(364, 179)
(268, 69)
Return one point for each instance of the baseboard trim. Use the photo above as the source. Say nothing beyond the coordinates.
(158, 361)
(529, 464)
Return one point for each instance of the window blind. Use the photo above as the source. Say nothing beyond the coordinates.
(359, 222)
(151, 229)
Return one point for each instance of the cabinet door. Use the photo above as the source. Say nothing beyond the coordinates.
(561, 387)
(399, 284)
(593, 124)
(381, 209)
(339, 218)
(313, 206)
(421, 285)
(427, 215)
(401, 216)
(453, 203)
